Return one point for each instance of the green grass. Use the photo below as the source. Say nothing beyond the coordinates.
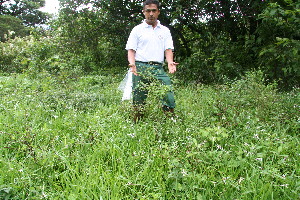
(74, 139)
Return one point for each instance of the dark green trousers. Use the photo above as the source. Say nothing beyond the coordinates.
(147, 73)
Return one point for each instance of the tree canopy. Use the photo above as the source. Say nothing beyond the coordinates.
(26, 10)
(214, 41)
(11, 25)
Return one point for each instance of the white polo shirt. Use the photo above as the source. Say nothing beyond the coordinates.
(148, 43)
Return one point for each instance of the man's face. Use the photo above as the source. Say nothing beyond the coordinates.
(151, 13)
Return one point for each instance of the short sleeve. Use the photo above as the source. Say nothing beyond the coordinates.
(169, 41)
(132, 41)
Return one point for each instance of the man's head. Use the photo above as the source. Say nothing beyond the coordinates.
(148, 2)
(151, 11)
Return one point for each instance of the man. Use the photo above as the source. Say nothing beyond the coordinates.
(147, 45)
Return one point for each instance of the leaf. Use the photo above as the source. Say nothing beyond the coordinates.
(273, 11)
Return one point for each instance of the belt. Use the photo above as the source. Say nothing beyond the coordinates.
(150, 63)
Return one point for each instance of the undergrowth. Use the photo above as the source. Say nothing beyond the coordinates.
(74, 139)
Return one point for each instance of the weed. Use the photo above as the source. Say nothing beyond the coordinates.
(74, 139)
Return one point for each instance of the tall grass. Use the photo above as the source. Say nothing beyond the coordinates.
(74, 139)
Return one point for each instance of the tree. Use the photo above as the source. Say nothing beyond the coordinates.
(279, 35)
(9, 24)
(213, 39)
(26, 10)
(3, 6)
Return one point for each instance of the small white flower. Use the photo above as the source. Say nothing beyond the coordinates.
(129, 183)
(220, 147)
(214, 183)
(44, 195)
(224, 179)
(284, 185)
(173, 119)
(131, 135)
(184, 173)
(11, 32)
(259, 159)
(240, 180)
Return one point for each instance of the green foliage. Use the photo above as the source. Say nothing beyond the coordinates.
(269, 40)
(9, 24)
(281, 61)
(39, 54)
(251, 94)
(21, 54)
(280, 20)
(84, 32)
(214, 41)
(75, 140)
(280, 33)
(26, 10)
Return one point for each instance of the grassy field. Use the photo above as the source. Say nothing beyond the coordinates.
(74, 139)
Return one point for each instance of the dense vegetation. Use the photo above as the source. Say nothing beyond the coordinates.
(65, 134)
(74, 139)
(26, 10)
(215, 41)
(19, 16)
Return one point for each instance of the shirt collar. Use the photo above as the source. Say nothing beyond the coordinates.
(147, 25)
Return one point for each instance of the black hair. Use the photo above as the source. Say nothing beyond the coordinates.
(148, 2)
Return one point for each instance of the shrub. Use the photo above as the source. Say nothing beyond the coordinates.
(10, 24)
(34, 54)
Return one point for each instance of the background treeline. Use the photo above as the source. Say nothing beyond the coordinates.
(65, 134)
(215, 41)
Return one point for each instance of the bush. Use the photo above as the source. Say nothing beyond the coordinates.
(259, 101)
(216, 62)
(10, 24)
(34, 54)
(281, 61)
(279, 34)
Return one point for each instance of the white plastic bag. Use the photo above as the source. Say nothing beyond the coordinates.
(126, 86)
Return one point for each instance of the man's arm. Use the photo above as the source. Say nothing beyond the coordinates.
(170, 59)
(131, 60)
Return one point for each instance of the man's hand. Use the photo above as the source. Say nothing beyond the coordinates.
(172, 67)
(133, 69)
